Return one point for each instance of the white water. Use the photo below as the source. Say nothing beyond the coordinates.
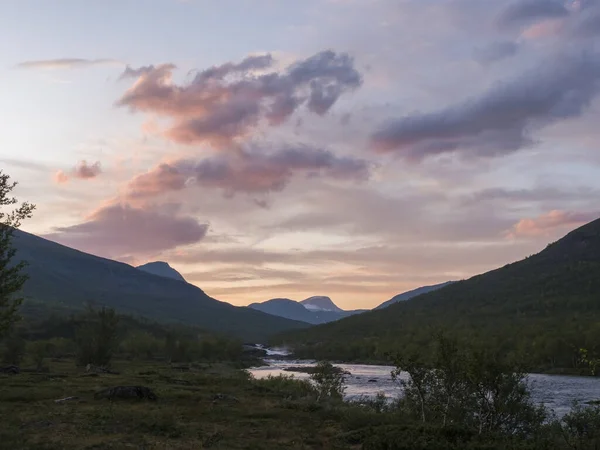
(556, 392)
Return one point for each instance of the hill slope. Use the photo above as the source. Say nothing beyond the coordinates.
(63, 277)
(547, 305)
(410, 294)
(162, 269)
(313, 310)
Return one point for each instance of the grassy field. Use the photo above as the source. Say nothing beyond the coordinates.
(209, 406)
(220, 406)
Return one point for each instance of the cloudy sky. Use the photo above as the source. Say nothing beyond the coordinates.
(270, 148)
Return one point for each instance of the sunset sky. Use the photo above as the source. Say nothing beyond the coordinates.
(278, 148)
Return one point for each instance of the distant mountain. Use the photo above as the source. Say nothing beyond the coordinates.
(67, 279)
(313, 310)
(410, 294)
(284, 307)
(546, 306)
(320, 303)
(162, 269)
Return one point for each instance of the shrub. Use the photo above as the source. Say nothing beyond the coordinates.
(469, 388)
(286, 386)
(329, 381)
(581, 427)
(142, 345)
(97, 337)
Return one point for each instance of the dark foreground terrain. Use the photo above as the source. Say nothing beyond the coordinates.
(219, 406)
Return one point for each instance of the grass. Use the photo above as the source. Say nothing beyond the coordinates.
(210, 406)
(219, 406)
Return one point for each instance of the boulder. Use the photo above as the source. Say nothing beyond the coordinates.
(126, 393)
(11, 370)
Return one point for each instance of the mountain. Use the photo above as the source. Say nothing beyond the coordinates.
(64, 278)
(284, 307)
(546, 306)
(320, 303)
(313, 310)
(410, 294)
(162, 269)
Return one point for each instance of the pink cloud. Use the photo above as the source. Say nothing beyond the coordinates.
(121, 231)
(61, 177)
(249, 171)
(82, 171)
(225, 103)
(545, 29)
(549, 223)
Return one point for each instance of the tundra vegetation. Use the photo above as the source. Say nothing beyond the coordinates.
(170, 387)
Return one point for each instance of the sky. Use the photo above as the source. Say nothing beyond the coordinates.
(269, 148)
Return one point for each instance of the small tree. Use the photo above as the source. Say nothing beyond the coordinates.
(329, 381)
(97, 337)
(12, 277)
(469, 388)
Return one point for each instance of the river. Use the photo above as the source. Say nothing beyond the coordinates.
(557, 392)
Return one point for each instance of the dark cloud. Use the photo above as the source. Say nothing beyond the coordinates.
(66, 63)
(496, 52)
(82, 171)
(586, 24)
(218, 109)
(248, 64)
(502, 119)
(523, 12)
(249, 171)
(120, 230)
(130, 72)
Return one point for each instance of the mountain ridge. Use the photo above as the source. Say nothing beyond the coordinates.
(413, 293)
(68, 279)
(313, 310)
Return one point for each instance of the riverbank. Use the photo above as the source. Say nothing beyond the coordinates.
(288, 355)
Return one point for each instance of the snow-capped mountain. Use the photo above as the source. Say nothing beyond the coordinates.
(314, 310)
(320, 303)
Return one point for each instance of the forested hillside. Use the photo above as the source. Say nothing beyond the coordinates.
(546, 306)
(61, 277)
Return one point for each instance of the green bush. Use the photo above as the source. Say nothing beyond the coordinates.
(581, 427)
(97, 337)
(468, 388)
(142, 345)
(286, 386)
(329, 381)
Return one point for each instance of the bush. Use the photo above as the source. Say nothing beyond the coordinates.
(581, 427)
(468, 388)
(97, 337)
(329, 381)
(142, 345)
(286, 387)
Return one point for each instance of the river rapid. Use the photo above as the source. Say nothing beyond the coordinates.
(556, 392)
